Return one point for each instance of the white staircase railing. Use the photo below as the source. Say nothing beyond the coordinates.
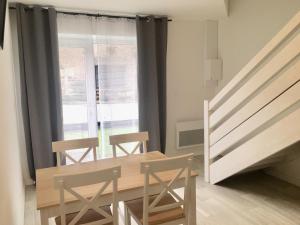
(242, 120)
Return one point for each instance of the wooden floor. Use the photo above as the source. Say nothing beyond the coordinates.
(249, 199)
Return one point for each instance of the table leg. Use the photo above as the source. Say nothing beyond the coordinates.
(44, 218)
(192, 206)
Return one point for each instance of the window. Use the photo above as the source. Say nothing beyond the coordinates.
(98, 78)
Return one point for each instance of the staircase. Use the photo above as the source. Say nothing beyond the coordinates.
(253, 120)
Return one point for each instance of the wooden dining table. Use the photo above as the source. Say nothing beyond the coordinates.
(130, 185)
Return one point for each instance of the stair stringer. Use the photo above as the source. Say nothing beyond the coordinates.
(267, 143)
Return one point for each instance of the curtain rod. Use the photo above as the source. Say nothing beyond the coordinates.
(93, 14)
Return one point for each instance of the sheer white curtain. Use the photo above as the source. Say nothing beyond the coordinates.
(116, 54)
(77, 76)
(98, 61)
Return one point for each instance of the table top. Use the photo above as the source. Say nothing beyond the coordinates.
(131, 177)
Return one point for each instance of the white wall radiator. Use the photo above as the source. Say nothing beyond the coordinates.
(189, 134)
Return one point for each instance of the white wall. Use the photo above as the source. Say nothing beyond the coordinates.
(250, 26)
(185, 92)
(289, 170)
(12, 187)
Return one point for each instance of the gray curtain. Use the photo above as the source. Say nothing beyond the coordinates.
(40, 83)
(152, 52)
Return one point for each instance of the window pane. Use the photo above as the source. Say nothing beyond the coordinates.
(98, 73)
(73, 82)
(117, 104)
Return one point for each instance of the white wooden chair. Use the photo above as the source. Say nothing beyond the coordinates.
(60, 148)
(91, 213)
(117, 140)
(167, 207)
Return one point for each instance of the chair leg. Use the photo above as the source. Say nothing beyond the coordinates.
(127, 216)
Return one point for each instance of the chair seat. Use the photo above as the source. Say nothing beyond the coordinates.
(89, 216)
(136, 209)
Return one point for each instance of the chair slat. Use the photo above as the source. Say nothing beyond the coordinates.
(61, 146)
(127, 138)
(166, 164)
(73, 180)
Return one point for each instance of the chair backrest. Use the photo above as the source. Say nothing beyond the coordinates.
(60, 147)
(117, 140)
(151, 168)
(67, 183)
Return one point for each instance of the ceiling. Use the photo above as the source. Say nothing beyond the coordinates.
(175, 9)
